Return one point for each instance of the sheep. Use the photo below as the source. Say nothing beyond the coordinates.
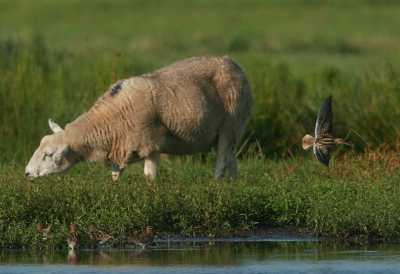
(187, 107)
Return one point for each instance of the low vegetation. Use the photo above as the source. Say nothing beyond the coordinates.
(356, 197)
(295, 55)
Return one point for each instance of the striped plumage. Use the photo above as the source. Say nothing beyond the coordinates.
(43, 231)
(323, 140)
(143, 239)
(98, 236)
(74, 239)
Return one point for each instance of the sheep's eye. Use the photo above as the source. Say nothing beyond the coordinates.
(47, 154)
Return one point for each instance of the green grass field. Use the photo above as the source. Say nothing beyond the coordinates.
(356, 198)
(58, 57)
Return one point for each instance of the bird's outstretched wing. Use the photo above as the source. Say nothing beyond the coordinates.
(325, 118)
(322, 154)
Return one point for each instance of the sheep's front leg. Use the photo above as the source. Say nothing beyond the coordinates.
(150, 165)
(116, 171)
(232, 165)
(222, 158)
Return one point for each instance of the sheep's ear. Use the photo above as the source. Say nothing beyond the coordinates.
(59, 155)
(56, 128)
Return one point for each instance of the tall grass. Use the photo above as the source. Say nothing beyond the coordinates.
(365, 108)
(295, 55)
(357, 197)
(176, 29)
(37, 83)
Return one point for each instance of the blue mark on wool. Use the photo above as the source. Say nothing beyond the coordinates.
(116, 89)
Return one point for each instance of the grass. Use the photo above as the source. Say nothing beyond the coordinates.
(57, 58)
(37, 83)
(295, 56)
(172, 30)
(357, 197)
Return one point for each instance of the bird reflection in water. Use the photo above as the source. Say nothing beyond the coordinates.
(74, 257)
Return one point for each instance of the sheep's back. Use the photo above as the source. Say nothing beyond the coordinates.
(177, 109)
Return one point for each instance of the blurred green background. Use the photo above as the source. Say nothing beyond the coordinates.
(58, 57)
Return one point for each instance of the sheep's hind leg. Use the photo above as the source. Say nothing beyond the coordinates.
(224, 158)
(150, 165)
(116, 171)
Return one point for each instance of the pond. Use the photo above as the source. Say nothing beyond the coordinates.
(212, 256)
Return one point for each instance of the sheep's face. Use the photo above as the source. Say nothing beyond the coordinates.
(52, 156)
(47, 159)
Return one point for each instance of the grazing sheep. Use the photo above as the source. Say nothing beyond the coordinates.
(184, 108)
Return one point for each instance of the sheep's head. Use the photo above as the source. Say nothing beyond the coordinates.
(52, 156)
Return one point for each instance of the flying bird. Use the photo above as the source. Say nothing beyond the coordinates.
(323, 140)
(143, 239)
(74, 239)
(98, 236)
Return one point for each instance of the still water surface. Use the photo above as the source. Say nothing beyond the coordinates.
(212, 256)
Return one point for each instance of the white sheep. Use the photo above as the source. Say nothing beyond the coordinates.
(184, 108)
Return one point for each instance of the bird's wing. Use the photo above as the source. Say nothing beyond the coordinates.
(96, 235)
(145, 238)
(325, 118)
(322, 154)
(107, 236)
(132, 239)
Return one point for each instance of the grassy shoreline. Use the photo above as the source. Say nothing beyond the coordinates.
(295, 55)
(355, 198)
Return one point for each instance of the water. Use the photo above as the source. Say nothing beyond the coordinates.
(212, 256)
